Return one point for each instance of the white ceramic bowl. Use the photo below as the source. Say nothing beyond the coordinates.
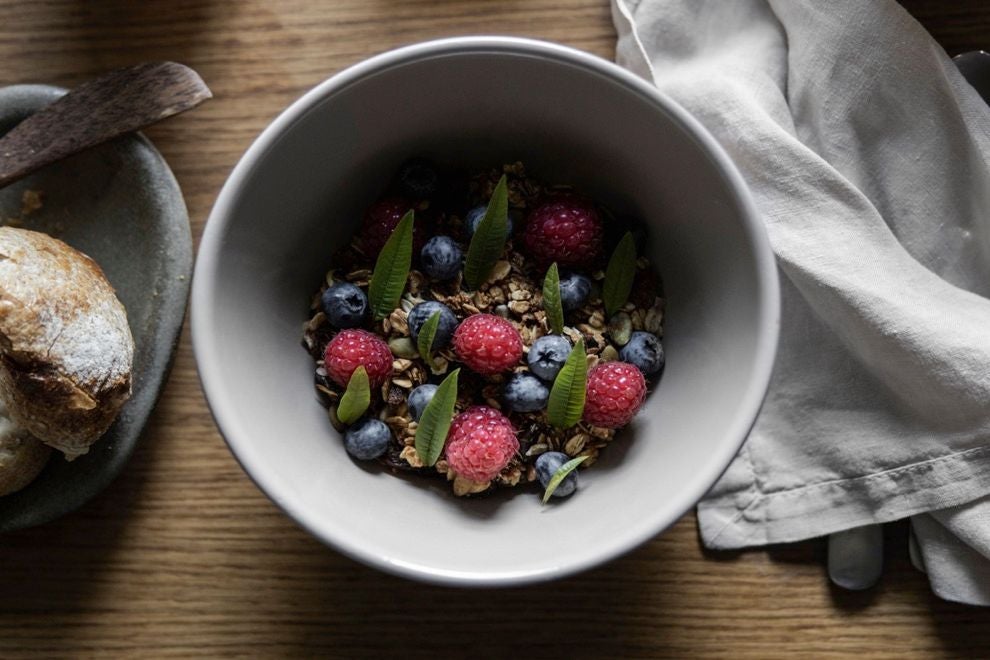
(298, 193)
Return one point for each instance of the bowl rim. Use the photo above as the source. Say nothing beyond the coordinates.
(204, 280)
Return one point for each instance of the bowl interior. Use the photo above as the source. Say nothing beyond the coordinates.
(300, 192)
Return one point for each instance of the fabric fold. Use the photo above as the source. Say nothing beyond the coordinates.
(868, 157)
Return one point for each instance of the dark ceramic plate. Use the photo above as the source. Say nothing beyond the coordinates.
(120, 204)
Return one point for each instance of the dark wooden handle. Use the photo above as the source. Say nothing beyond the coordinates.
(119, 102)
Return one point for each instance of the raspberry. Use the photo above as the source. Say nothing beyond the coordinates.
(565, 229)
(352, 348)
(480, 443)
(615, 392)
(379, 221)
(487, 343)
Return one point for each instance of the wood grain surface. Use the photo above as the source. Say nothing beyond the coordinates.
(183, 556)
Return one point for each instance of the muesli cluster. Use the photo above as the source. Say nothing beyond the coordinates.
(487, 329)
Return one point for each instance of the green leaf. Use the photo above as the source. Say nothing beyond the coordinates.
(488, 241)
(392, 269)
(425, 339)
(551, 300)
(431, 434)
(356, 399)
(567, 394)
(561, 474)
(619, 275)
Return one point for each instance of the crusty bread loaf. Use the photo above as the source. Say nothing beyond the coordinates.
(22, 456)
(65, 346)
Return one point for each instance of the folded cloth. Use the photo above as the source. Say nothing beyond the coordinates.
(954, 545)
(868, 157)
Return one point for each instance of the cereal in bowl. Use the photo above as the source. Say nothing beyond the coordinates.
(491, 330)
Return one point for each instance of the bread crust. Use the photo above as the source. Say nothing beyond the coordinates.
(22, 457)
(65, 347)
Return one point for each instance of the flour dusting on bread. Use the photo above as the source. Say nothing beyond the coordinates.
(65, 346)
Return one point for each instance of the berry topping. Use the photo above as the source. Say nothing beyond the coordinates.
(368, 439)
(645, 351)
(565, 229)
(525, 393)
(422, 312)
(345, 305)
(381, 219)
(547, 355)
(547, 465)
(574, 290)
(441, 258)
(488, 344)
(350, 349)
(616, 390)
(419, 398)
(475, 215)
(417, 178)
(480, 443)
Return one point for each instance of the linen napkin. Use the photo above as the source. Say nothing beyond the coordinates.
(868, 156)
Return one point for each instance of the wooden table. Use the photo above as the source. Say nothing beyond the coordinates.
(182, 555)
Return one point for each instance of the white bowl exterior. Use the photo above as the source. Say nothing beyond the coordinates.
(298, 194)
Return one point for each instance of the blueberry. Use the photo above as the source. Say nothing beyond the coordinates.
(441, 258)
(547, 464)
(367, 439)
(547, 356)
(419, 398)
(645, 351)
(525, 393)
(574, 290)
(417, 178)
(422, 312)
(474, 216)
(345, 305)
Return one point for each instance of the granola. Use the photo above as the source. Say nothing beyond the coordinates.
(513, 291)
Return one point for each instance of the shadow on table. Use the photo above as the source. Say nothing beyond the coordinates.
(658, 598)
(957, 626)
(109, 35)
(598, 613)
(814, 553)
(49, 573)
